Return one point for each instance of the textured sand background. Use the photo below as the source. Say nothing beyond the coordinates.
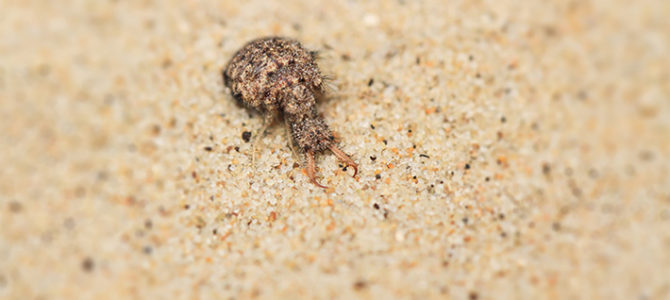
(507, 149)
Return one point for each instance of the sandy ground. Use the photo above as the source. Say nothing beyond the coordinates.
(507, 149)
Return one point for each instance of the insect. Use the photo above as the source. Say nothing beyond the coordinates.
(278, 76)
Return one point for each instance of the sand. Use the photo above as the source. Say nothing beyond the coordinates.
(507, 149)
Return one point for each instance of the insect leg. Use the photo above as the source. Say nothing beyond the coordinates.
(290, 139)
(268, 119)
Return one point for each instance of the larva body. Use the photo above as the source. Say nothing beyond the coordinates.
(278, 76)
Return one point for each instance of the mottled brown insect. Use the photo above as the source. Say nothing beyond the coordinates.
(277, 76)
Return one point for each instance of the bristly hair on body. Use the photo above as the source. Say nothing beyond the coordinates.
(278, 76)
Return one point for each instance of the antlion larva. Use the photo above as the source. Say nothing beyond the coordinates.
(278, 76)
